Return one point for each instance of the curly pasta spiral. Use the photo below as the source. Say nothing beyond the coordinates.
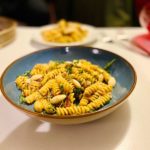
(44, 104)
(73, 110)
(67, 87)
(44, 90)
(55, 88)
(95, 96)
(21, 82)
(33, 97)
(99, 102)
(84, 101)
(52, 75)
(102, 88)
(71, 97)
(39, 69)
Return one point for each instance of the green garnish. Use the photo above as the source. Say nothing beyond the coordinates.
(78, 91)
(22, 99)
(61, 87)
(69, 69)
(109, 64)
(77, 94)
(80, 71)
(50, 109)
(27, 73)
(76, 61)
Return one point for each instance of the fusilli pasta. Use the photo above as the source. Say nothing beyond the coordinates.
(64, 32)
(66, 88)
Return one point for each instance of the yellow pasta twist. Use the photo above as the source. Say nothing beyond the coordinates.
(106, 75)
(71, 97)
(55, 88)
(67, 87)
(73, 110)
(84, 101)
(99, 102)
(44, 90)
(95, 96)
(39, 69)
(52, 65)
(33, 97)
(52, 74)
(21, 82)
(102, 88)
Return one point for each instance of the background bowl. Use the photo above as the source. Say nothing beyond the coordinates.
(121, 70)
(90, 38)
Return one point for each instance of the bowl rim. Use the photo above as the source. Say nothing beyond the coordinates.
(49, 116)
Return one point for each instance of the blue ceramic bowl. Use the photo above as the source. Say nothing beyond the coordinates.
(122, 70)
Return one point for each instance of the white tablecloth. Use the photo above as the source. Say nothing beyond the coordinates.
(128, 128)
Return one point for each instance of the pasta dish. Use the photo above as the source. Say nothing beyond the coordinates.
(64, 32)
(66, 88)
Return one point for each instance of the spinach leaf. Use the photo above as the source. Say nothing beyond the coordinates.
(109, 64)
(27, 73)
(22, 99)
(69, 69)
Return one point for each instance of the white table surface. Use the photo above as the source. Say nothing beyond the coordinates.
(128, 128)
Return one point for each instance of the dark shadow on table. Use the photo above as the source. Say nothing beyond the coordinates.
(105, 134)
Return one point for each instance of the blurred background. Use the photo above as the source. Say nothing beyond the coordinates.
(107, 13)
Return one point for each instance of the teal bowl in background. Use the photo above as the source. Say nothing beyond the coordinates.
(122, 70)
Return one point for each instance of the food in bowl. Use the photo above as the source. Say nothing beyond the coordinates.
(121, 70)
(65, 32)
(66, 88)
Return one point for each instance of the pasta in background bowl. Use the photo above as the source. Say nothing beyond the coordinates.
(66, 33)
(82, 59)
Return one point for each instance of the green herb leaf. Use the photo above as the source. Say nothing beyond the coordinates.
(69, 69)
(78, 91)
(80, 71)
(27, 73)
(22, 99)
(75, 61)
(109, 64)
(61, 87)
